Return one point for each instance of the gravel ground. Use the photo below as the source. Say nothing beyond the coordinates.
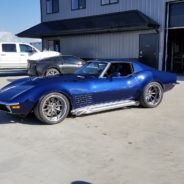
(126, 146)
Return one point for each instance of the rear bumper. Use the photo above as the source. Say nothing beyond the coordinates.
(32, 71)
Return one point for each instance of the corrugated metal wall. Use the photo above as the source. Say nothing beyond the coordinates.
(152, 8)
(112, 45)
(109, 45)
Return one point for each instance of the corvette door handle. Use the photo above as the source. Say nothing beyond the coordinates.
(3, 54)
(22, 55)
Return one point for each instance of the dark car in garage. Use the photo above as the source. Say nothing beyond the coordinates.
(64, 64)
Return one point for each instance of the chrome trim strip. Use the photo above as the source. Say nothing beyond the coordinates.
(4, 103)
(104, 107)
(8, 107)
(105, 70)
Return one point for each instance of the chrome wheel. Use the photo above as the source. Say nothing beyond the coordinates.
(52, 71)
(52, 108)
(152, 95)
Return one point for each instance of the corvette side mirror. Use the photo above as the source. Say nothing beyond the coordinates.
(114, 74)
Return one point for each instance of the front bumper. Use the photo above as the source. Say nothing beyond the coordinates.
(17, 108)
(7, 107)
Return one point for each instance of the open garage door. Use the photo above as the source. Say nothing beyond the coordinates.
(175, 46)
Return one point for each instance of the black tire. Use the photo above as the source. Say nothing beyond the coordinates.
(52, 71)
(52, 108)
(152, 95)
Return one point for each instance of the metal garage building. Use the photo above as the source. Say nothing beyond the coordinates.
(152, 30)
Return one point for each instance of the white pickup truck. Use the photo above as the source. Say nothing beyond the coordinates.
(15, 54)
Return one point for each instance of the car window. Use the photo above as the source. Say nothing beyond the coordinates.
(9, 48)
(26, 48)
(124, 69)
(92, 68)
(70, 59)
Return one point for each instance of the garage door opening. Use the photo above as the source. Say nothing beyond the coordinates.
(175, 61)
(175, 41)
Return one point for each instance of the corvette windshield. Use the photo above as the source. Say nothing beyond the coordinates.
(92, 68)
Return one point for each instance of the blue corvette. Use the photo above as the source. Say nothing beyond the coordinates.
(97, 86)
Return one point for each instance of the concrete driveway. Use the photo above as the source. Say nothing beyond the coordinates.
(127, 146)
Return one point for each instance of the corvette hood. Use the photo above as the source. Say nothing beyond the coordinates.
(14, 89)
(55, 79)
(59, 79)
(18, 87)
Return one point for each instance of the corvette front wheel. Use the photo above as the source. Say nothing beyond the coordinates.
(52, 108)
(152, 95)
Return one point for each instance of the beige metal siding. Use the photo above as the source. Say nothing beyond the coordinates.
(152, 8)
(110, 45)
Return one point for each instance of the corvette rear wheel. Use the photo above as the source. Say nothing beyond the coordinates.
(52, 71)
(152, 95)
(52, 108)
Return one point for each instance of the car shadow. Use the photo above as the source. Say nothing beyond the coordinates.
(30, 119)
(80, 182)
(9, 118)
